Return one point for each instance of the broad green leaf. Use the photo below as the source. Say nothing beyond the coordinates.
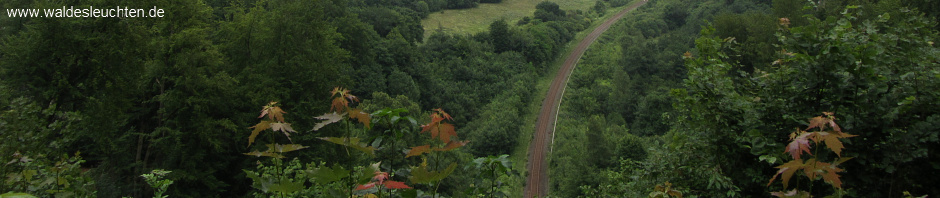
(283, 148)
(325, 175)
(28, 175)
(264, 154)
(352, 143)
(286, 186)
(421, 174)
(257, 181)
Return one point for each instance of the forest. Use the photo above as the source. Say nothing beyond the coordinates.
(349, 98)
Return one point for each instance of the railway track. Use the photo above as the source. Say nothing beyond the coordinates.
(537, 180)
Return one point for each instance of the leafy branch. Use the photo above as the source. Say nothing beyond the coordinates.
(813, 167)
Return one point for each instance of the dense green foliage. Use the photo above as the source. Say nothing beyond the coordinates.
(87, 105)
(714, 125)
(179, 93)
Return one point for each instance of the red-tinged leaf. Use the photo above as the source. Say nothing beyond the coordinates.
(418, 150)
(276, 114)
(396, 185)
(339, 104)
(835, 127)
(819, 122)
(328, 118)
(452, 145)
(443, 114)
(817, 136)
(787, 170)
(428, 127)
(362, 117)
(799, 145)
(263, 112)
(351, 97)
(365, 186)
(380, 177)
(335, 91)
(267, 109)
(446, 132)
(261, 126)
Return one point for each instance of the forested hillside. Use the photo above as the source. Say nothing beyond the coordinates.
(90, 104)
(344, 98)
(699, 99)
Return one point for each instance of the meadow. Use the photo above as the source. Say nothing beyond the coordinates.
(475, 20)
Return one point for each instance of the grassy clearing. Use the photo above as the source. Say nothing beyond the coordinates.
(520, 154)
(474, 20)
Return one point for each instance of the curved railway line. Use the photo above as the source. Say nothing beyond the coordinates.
(537, 180)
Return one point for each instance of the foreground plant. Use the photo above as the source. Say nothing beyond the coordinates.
(814, 168)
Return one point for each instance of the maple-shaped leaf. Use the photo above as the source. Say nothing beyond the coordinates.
(264, 110)
(831, 174)
(812, 168)
(443, 131)
(328, 118)
(325, 175)
(833, 143)
(798, 145)
(339, 104)
(365, 186)
(283, 128)
(380, 177)
(429, 127)
(283, 148)
(261, 126)
(352, 143)
(843, 135)
(819, 122)
(396, 185)
(343, 97)
(443, 114)
(452, 145)
(418, 150)
(421, 174)
(273, 112)
(787, 170)
(446, 132)
(362, 117)
(264, 154)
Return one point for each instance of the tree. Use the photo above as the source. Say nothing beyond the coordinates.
(500, 36)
